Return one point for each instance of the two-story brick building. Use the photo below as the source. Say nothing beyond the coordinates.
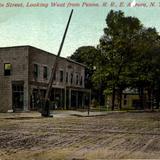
(24, 75)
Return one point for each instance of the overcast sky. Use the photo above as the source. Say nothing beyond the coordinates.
(44, 27)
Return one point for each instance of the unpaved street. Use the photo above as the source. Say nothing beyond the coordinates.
(111, 136)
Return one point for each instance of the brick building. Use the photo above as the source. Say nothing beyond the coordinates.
(25, 73)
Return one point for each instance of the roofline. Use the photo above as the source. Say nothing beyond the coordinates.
(29, 46)
(70, 60)
(15, 46)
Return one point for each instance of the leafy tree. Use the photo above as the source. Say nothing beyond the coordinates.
(127, 56)
(144, 62)
(116, 51)
(87, 55)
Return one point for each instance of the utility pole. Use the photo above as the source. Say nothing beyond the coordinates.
(45, 109)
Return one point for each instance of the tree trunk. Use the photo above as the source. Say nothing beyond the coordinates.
(157, 97)
(113, 98)
(157, 102)
(120, 99)
(141, 97)
(149, 99)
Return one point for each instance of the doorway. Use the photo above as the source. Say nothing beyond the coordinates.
(18, 95)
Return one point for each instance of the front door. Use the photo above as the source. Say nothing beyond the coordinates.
(18, 95)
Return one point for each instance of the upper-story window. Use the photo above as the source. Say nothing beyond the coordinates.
(77, 79)
(45, 72)
(71, 78)
(61, 76)
(54, 76)
(7, 69)
(35, 71)
(81, 81)
(66, 77)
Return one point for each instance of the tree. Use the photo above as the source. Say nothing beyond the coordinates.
(87, 55)
(144, 64)
(127, 56)
(116, 51)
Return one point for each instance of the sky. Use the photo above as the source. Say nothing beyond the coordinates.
(43, 27)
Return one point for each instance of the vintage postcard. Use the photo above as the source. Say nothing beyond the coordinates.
(79, 79)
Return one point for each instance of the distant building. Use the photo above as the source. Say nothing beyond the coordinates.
(25, 72)
(130, 100)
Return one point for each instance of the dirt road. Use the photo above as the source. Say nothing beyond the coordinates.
(113, 136)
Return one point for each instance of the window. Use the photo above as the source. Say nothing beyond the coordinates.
(125, 102)
(35, 71)
(71, 78)
(18, 94)
(125, 99)
(81, 81)
(61, 76)
(7, 69)
(54, 76)
(77, 79)
(66, 77)
(45, 72)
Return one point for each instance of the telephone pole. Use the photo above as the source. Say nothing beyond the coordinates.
(45, 109)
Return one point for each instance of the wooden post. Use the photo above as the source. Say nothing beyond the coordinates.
(76, 99)
(90, 98)
(70, 98)
(83, 100)
(89, 105)
(61, 97)
(65, 99)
